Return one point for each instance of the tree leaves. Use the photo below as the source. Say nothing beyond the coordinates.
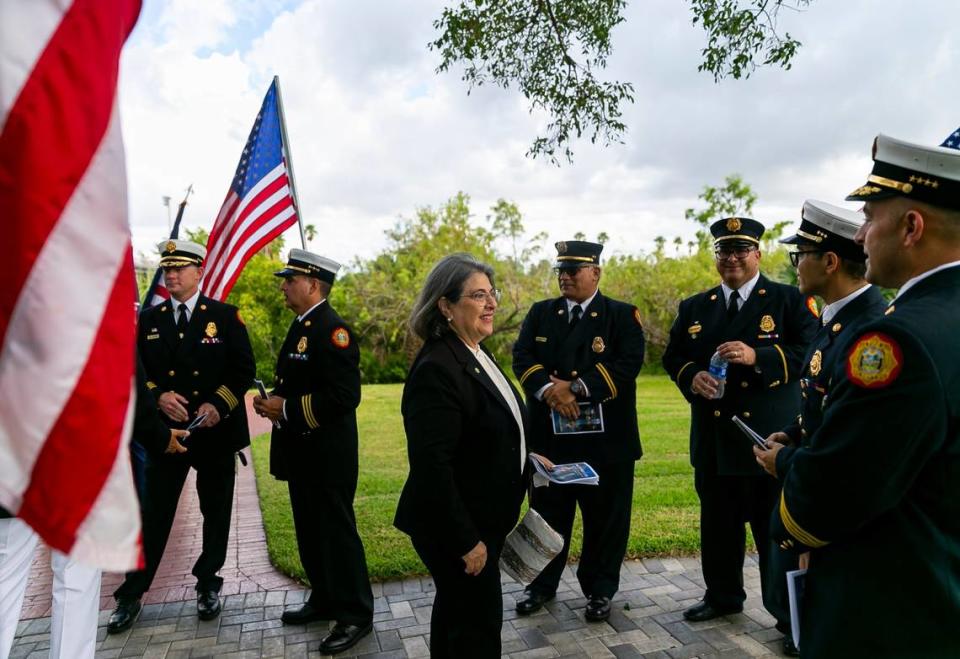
(553, 50)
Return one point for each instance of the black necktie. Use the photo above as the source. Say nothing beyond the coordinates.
(575, 314)
(182, 320)
(732, 307)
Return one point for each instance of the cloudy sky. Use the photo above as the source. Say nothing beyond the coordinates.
(375, 133)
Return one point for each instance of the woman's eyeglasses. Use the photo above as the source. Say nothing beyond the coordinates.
(481, 296)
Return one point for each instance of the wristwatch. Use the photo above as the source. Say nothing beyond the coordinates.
(576, 387)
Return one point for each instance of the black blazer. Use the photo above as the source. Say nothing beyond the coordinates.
(318, 373)
(778, 322)
(213, 363)
(463, 443)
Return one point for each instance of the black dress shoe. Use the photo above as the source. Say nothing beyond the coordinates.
(208, 604)
(706, 611)
(598, 609)
(123, 616)
(532, 601)
(306, 613)
(343, 637)
(789, 648)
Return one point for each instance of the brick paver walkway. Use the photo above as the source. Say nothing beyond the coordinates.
(646, 621)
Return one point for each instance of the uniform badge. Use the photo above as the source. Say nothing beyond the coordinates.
(561, 247)
(767, 324)
(836, 328)
(340, 337)
(540, 339)
(302, 345)
(695, 329)
(559, 312)
(874, 361)
(812, 307)
(170, 246)
(733, 224)
(815, 363)
(211, 330)
(598, 345)
(636, 316)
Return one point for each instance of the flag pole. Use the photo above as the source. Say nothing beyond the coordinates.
(289, 156)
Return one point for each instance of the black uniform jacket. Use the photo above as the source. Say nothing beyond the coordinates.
(778, 323)
(463, 443)
(819, 363)
(212, 363)
(605, 350)
(876, 494)
(148, 426)
(318, 373)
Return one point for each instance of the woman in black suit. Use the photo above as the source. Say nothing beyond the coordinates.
(466, 445)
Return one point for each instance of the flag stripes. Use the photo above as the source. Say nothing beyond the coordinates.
(66, 331)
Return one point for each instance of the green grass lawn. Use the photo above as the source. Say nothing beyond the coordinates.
(665, 508)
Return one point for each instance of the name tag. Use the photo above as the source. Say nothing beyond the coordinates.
(541, 339)
(151, 337)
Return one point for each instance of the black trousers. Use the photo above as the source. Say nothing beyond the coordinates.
(331, 550)
(467, 610)
(605, 509)
(727, 503)
(165, 476)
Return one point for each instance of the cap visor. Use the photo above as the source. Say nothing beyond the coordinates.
(286, 272)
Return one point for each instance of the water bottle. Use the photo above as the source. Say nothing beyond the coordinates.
(718, 369)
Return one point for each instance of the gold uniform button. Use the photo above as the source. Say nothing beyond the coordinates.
(746, 415)
(172, 373)
(573, 374)
(716, 413)
(196, 393)
(744, 384)
(196, 373)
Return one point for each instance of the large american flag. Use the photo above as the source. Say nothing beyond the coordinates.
(66, 323)
(259, 205)
(953, 140)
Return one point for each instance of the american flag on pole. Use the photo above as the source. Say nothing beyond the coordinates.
(953, 140)
(66, 327)
(158, 292)
(259, 205)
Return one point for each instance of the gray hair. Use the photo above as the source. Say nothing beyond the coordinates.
(446, 280)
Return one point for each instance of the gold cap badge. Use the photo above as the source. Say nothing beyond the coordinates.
(170, 246)
(733, 224)
(561, 247)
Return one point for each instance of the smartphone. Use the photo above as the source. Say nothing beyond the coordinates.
(749, 432)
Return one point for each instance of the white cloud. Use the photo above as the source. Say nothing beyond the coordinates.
(375, 132)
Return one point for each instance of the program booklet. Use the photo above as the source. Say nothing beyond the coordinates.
(796, 580)
(590, 420)
(580, 473)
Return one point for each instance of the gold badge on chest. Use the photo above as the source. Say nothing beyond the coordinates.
(302, 344)
(695, 329)
(767, 324)
(598, 345)
(211, 330)
(815, 363)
